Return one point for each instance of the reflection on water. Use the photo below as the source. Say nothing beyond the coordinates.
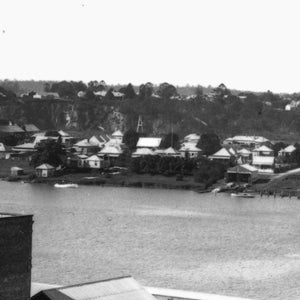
(167, 238)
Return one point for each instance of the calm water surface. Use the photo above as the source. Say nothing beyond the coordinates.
(165, 238)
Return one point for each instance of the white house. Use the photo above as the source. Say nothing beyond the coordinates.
(190, 149)
(171, 152)
(118, 135)
(264, 164)
(192, 138)
(248, 141)
(94, 162)
(263, 151)
(110, 151)
(223, 155)
(287, 151)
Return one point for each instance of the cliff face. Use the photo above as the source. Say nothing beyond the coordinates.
(63, 114)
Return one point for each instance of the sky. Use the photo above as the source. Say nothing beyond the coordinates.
(245, 44)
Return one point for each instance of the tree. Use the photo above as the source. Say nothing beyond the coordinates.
(278, 146)
(50, 152)
(131, 138)
(64, 89)
(129, 92)
(209, 143)
(166, 90)
(146, 90)
(199, 92)
(170, 140)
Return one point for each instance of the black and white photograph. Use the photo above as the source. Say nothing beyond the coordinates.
(149, 150)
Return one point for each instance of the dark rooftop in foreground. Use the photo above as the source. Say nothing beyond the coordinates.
(122, 288)
(4, 215)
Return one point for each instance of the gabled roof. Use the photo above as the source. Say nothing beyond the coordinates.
(244, 152)
(142, 151)
(243, 169)
(192, 136)
(171, 151)
(117, 133)
(288, 149)
(94, 141)
(94, 158)
(45, 166)
(190, 147)
(148, 142)
(84, 143)
(222, 153)
(26, 146)
(263, 160)
(263, 149)
(111, 150)
(123, 288)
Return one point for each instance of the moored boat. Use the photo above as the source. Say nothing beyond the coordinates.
(66, 185)
(243, 195)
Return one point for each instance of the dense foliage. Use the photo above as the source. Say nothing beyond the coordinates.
(50, 152)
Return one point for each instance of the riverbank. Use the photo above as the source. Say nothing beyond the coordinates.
(121, 180)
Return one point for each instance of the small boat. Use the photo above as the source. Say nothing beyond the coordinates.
(66, 185)
(243, 195)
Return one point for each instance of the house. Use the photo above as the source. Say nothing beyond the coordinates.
(122, 288)
(223, 154)
(46, 95)
(5, 151)
(190, 150)
(45, 170)
(27, 147)
(81, 158)
(94, 162)
(171, 152)
(142, 152)
(110, 151)
(247, 141)
(16, 171)
(118, 135)
(192, 138)
(244, 155)
(95, 141)
(242, 173)
(148, 142)
(263, 151)
(264, 164)
(6, 130)
(286, 152)
(31, 128)
(85, 147)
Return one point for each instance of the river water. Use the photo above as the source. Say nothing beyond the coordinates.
(164, 238)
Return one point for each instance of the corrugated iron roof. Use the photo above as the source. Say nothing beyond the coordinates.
(31, 128)
(123, 288)
(148, 142)
(11, 129)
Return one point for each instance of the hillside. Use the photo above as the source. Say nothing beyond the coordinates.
(223, 112)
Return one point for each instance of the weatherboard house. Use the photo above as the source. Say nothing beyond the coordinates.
(45, 170)
(287, 151)
(190, 150)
